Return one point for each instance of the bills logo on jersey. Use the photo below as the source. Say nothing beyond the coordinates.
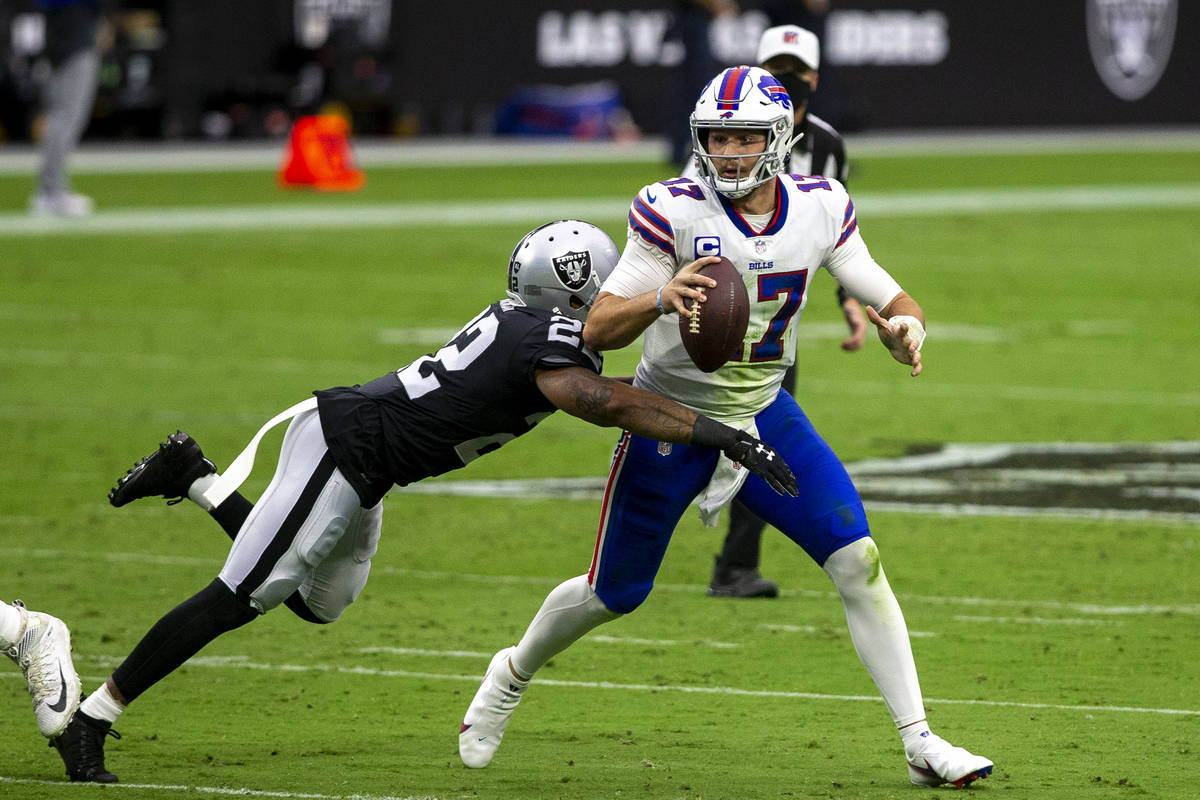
(773, 89)
(573, 269)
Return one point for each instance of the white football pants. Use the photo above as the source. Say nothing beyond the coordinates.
(307, 532)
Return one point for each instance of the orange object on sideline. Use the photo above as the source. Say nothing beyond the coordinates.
(318, 155)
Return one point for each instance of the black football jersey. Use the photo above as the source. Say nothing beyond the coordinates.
(820, 150)
(448, 408)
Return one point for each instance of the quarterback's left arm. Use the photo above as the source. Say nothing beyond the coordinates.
(901, 328)
(899, 320)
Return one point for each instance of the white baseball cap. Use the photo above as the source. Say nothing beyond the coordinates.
(790, 40)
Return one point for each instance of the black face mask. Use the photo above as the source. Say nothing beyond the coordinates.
(797, 88)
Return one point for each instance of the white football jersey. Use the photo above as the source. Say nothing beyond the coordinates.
(674, 222)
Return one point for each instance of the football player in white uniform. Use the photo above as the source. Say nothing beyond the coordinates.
(778, 230)
(793, 55)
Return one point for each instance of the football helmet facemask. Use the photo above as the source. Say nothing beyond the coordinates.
(560, 266)
(747, 98)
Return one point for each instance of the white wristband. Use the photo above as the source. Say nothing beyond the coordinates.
(914, 326)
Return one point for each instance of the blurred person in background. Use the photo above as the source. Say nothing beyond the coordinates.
(793, 55)
(693, 20)
(71, 27)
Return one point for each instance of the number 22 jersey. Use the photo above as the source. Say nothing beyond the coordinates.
(674, 222)
(446, 409)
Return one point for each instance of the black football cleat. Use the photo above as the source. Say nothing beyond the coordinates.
(168, 472)
(81, 746)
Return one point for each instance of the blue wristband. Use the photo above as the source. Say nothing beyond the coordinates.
(658, 300)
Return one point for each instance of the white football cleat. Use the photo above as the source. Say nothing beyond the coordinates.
(61, 204)
(487, 716)
(43, 652)
(937, 762)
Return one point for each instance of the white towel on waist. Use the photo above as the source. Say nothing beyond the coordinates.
(726, 480)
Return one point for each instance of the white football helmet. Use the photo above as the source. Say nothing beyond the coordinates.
(560, 266)
(750, 98)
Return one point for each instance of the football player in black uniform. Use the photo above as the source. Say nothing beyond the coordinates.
(309, 540)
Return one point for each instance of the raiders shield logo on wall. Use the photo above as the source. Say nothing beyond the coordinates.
(1130, 42)
(573, 269)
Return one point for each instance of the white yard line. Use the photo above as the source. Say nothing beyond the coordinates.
(837, 632)
(157, 157)
(444, 577)
(219, 791)
(309, 216)
(244, 662)
(1036, 620)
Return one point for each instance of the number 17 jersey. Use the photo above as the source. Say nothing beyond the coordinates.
(446, 409)
(674, 222)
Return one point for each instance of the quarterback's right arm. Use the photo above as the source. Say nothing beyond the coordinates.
(646, 282)
(615, 321)
(611, 403)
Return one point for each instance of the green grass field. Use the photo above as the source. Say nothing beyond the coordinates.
(1063, 647)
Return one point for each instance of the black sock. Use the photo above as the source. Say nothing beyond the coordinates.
(232, 513)
(179, 635)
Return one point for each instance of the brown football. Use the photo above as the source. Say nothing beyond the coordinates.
(714, 332)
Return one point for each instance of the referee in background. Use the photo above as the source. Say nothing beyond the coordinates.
(792, 54)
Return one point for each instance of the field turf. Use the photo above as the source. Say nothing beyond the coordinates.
(1063, 647)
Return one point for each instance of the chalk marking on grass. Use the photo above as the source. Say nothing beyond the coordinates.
(417, 651)
(444, 576)
(605, 639)
(1037, 620)
(515, 211)
(229, 791)
(835, 631)
(593, 488)
(147, 157)
(243, 662)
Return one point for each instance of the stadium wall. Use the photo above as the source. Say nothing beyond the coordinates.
(230, 69)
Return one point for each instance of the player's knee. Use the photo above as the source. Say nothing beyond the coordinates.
(857, 565)
(623, 599)
(224, 608)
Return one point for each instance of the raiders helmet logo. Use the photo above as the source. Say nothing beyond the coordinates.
(573, 269)
(1131, 43)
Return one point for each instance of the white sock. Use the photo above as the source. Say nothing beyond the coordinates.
(877, 628)
(12, 625)
(196, 491)
(914, 736)
(568, 612)
(101, 705)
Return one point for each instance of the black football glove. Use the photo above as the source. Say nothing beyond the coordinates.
(763, 461)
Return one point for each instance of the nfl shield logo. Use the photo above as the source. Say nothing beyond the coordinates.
(760, 246)
(573, 269)
(1131, 42)
(664, 448)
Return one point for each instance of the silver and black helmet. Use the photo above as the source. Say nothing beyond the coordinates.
(560, 266)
